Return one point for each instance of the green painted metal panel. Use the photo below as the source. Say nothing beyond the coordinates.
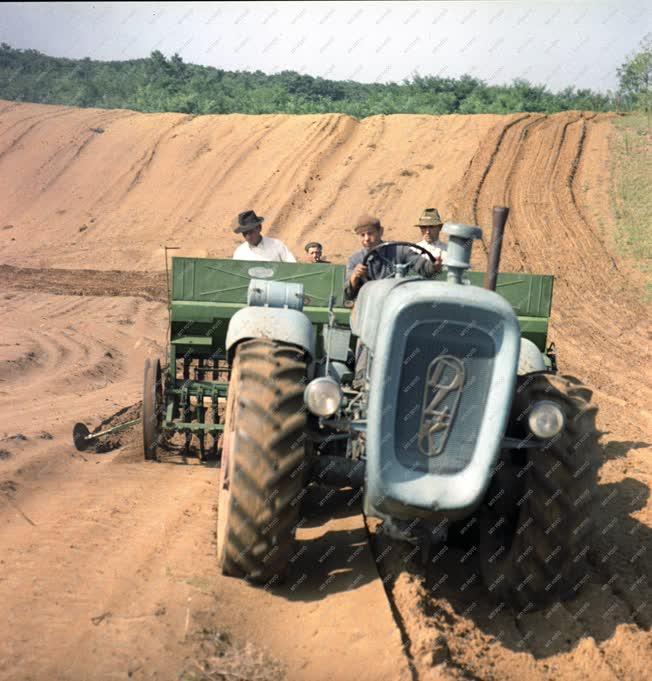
(226, 281)
(209, 280)
(529, 294)
(193, 340)
(535, 329)
(207, 292)
(191, 311)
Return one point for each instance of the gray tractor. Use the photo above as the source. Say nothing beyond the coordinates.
(438, 398)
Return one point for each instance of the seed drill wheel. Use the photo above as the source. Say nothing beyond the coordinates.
(263, 454)
(152, 409)
(536, 526)
(80, 435)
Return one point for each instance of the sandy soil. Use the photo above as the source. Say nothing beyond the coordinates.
(108, 561)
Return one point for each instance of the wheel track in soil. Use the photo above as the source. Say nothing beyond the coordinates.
(44, 114)
(79, 147)
(40, 120)
(518, 170)
(332, 163)
(236, 156)
(121, 608)
(553, 215)
(139, 168)
(312, 162)
(481, 165)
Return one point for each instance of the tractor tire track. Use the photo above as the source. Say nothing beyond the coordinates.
(42, 115)
(241, 152)
(295, 170)
(318, 168)
(334, 163)
(80, 147)
(13, 146)
(117, 190)
(148, 157)
(489, 164)
(533, 165)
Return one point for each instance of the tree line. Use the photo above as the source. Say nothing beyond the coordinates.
(159, 83)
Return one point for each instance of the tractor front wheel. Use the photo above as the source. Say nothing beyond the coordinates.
(263, 460)
(536, 523)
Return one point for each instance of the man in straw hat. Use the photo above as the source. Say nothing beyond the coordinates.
(370, 231)
(256, 246)
(430, 224)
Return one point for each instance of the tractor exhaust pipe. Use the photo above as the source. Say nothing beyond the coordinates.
(500, 214)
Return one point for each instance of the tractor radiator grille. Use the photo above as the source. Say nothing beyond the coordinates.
(443, 390)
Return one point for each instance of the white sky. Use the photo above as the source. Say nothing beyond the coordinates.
(553, 43)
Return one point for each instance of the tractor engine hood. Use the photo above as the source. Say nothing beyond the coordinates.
(443, 372)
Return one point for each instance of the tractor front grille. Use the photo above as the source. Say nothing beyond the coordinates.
(443, 390)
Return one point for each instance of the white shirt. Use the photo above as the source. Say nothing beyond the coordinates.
(268, 249)
(438, 248)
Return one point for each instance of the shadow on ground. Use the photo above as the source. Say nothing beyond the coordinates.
(615, 589)
(332, 551)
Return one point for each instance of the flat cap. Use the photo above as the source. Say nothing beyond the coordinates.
(365, 222)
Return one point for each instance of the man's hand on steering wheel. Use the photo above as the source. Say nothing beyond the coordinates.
(374, 253)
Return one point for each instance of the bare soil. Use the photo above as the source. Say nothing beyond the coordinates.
(108, 562)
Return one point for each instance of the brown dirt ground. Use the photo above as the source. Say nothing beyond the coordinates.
(108, 566)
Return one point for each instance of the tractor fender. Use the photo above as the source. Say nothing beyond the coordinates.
(530, 358)
(280, 324)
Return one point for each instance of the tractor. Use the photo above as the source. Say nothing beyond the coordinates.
(439, 399)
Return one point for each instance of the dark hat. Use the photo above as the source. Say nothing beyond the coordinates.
(364, 222)
(313, 244)
(429, 218)
(247, 221)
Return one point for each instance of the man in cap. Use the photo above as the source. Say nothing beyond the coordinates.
(256, 246)
(314, 252)
(370, 231)
(430, 224)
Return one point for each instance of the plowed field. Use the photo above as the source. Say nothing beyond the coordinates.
(108, 567)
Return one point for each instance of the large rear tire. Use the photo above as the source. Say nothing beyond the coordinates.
(261, 476)
(536, 524)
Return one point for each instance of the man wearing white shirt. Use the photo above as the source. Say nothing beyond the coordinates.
(256, 246)
(430, 224)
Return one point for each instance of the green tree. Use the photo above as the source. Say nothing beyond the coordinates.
(159, 83)
(635, 77)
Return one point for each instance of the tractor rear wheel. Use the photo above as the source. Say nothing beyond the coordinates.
(261, 472)
(536, 524)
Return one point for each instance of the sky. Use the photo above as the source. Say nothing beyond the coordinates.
(558, 44)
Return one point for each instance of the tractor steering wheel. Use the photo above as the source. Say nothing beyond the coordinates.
(374, 253)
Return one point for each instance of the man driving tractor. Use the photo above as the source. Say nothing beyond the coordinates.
(376, 259)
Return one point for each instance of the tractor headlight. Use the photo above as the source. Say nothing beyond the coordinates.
(323, 396)
(546, 419)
